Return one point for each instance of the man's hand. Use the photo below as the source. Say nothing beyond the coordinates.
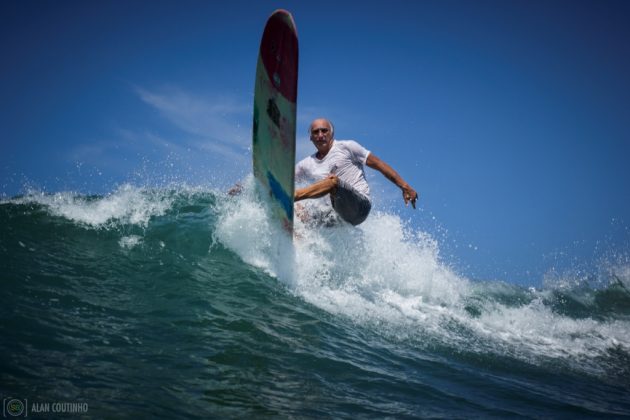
(235, 190)
(409, 194)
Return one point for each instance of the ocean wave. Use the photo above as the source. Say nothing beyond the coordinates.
(126, 205)
(390, 277)
(384, 275)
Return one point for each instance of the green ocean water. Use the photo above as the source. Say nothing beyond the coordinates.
(174, 303)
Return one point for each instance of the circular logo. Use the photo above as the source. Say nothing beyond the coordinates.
(15, 407)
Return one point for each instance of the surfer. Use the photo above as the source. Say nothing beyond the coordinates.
(337, 167)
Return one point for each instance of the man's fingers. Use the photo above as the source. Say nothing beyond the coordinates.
(413, 196)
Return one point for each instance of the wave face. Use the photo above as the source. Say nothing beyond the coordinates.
(185, 303)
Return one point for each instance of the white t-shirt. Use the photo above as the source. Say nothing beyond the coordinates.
(345, 159)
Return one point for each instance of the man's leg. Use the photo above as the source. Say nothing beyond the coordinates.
(318, 189)
(350, 205)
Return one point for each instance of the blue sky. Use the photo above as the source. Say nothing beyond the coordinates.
(510, 118)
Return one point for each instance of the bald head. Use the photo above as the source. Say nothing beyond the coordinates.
(320, 123)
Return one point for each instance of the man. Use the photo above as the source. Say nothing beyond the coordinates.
(337, 167)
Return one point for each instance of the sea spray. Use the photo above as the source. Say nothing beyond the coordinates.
(245, 227)
(126, 205)
(387, 275)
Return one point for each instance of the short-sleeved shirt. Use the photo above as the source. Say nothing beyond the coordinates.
(345, 159)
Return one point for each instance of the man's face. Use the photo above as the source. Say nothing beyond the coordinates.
(321, 134)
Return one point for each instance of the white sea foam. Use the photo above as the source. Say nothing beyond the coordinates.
(386, 274)
(534, 329)
(127, 204)
(129, 242)
(244, 227)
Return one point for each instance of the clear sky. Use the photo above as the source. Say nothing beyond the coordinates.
(510, 118)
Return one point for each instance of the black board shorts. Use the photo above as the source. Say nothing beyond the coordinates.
(350, 205)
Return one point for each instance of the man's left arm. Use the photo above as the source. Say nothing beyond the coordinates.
(409, 194)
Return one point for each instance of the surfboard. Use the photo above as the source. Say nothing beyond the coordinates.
(275, 106)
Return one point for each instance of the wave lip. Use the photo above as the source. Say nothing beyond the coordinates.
(127, 205)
